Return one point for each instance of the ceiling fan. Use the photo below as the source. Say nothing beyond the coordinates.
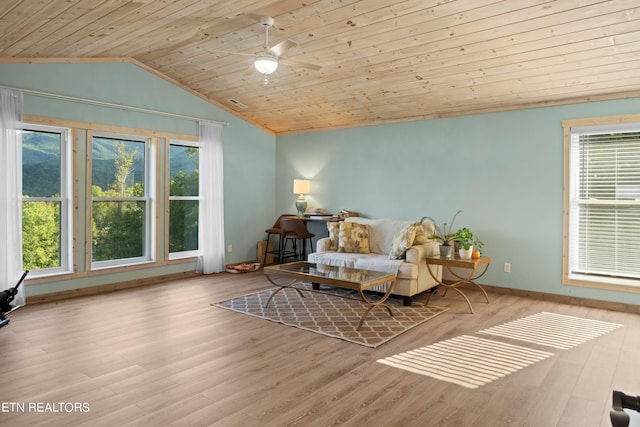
(266, 62)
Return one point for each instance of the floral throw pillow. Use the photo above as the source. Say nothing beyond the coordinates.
(403, 240)
(334, 235)
(353, 238)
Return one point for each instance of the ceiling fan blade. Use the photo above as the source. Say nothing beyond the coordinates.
(293, 63)
(278, 49)
(232, 53)
(254, 16)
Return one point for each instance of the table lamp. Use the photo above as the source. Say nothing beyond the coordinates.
(301, 187)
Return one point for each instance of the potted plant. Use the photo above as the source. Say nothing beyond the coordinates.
(466, 242)
(444, 235)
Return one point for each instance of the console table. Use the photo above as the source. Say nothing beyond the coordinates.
(318, 226)
(477, 267)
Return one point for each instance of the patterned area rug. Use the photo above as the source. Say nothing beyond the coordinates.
(466, 360)
(333, 312)
(553, 330)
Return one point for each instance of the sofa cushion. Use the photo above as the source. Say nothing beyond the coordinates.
(354, 238)
(403, 240)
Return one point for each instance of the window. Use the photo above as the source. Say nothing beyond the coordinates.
(46, 195)
(183, 199)
(121, 209)
(603, 200)
(121, 214)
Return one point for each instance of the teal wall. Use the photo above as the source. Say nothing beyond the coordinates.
(504, 170)
(249, 152)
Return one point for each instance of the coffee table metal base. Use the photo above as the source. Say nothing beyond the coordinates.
(344, 277)
(374, 304)
(280, 287)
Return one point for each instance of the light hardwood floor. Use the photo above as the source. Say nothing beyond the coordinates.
(162, 355)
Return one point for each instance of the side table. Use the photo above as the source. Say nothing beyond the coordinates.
(480, 264)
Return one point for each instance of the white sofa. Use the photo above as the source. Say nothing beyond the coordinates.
(411, 270)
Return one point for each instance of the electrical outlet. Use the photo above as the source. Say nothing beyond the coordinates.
(507, 267)
(230, 248)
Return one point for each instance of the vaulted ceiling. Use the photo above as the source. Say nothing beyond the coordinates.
(380, 61)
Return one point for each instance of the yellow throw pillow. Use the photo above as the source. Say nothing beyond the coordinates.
(420, 238)
(424, 230)
(354, 238)
(403, 240)
(334, 234)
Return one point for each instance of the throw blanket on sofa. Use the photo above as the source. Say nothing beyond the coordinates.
(377, 264)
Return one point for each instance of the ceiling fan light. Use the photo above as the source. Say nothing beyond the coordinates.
(266, 64)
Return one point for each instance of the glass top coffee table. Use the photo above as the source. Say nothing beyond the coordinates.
(356, 279)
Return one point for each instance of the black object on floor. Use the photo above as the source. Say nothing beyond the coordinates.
(6, 297)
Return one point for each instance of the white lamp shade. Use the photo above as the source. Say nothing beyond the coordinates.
(265, 63)
(301, 186)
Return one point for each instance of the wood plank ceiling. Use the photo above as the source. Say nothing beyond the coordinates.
(382, 61)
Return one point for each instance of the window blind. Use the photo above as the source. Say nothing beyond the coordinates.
(605, 201)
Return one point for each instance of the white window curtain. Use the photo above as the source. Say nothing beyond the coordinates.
(11, 192)
(211, 219)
